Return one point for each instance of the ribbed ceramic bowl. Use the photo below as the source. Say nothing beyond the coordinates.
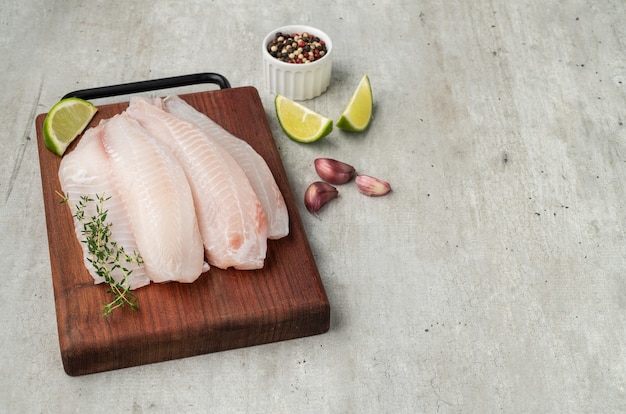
(297, 81)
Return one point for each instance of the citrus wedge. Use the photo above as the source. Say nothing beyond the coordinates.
(300, 123)
(357, 114)
(65, 121)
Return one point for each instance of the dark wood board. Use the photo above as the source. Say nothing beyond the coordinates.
(223, 309)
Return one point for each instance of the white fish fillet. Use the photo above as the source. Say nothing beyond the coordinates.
(232, 221)
(86, 171)
(255, 167)
(158, 200)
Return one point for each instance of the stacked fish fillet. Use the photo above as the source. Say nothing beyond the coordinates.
(180, 189)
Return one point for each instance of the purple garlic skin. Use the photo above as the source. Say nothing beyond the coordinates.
(372, 186)
(333, 171)
(317, 195)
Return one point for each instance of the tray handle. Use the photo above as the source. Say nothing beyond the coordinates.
(150, 85)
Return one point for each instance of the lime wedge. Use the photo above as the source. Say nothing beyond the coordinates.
(65, 121)
(299, 122)
(357, 114)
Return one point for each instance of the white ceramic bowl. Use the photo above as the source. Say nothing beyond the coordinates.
(297, 81)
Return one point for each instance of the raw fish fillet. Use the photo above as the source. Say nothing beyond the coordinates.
(231, 218)
(255, 167)
(158, 200)
(86, 171)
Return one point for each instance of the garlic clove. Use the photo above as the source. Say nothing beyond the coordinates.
(333, 171)
(372, 186)
(317, 195)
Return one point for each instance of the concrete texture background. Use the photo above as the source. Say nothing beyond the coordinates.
(490, 280)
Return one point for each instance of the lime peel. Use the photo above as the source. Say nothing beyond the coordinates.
(67, 119)
(300, 123)
(357, 114)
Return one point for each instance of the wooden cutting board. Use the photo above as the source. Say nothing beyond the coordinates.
(223, 309)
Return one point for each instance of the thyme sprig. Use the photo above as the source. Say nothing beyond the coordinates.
(105, 254)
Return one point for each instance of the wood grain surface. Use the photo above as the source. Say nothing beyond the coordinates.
(223, 309)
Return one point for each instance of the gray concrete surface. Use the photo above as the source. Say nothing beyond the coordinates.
(491, 280)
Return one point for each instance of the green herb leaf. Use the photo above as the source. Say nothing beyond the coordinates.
(105, 254)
